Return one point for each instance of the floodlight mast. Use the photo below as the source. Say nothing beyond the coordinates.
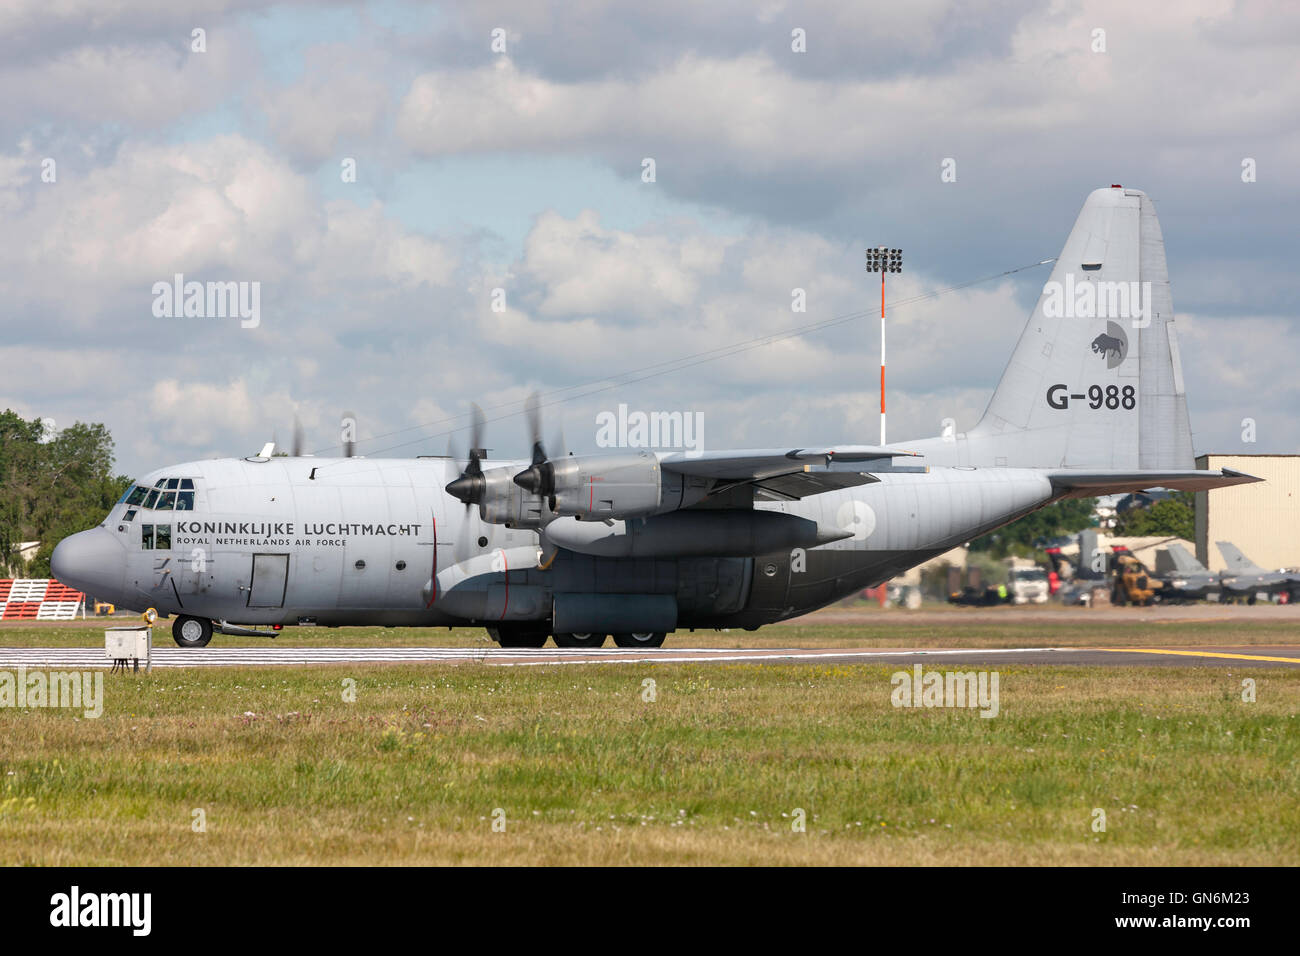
(883, 259)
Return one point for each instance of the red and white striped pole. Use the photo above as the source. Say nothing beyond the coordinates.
(882, 260)
(882, 357)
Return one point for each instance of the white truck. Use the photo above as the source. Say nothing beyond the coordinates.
(1027, 585)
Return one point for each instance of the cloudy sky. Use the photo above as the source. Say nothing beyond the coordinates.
(503, 146)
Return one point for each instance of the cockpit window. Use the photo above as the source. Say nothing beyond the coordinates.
(167, 494)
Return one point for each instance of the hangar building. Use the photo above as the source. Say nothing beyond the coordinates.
(1261, 519)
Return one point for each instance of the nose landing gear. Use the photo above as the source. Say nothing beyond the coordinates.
(191, 631)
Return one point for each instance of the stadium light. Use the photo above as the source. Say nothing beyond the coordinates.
(883, 259)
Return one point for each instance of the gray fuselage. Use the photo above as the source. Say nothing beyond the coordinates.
(264, 543)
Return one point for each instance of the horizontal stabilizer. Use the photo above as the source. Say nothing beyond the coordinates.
(1087, 483)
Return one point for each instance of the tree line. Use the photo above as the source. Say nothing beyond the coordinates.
(51, 485)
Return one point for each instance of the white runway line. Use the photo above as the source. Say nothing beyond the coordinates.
(89, 657)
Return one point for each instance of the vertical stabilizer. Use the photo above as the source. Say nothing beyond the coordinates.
(1095, 380)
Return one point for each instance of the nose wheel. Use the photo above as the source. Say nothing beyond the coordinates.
(191, 631)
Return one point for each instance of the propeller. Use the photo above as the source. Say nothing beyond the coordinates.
(297, 437)
(539, 477)
(469, 487)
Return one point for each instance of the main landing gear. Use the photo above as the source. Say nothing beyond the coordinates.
(579, 640)
(640, 639)
(519, 636)
(530, 636)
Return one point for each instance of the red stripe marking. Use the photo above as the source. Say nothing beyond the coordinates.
(433, 596)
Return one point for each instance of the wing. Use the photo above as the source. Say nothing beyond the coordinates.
(786, 474)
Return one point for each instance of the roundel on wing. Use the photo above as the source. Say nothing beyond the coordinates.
(856, 517)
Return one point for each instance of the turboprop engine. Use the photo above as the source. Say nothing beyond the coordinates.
(610, 487)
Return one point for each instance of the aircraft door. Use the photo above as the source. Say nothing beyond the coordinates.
(270, 578)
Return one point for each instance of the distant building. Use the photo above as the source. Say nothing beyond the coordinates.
(25, 551)
(1261, 519)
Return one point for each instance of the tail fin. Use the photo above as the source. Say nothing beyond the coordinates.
(1183, 559)
(1095, 381)
(1233, 557)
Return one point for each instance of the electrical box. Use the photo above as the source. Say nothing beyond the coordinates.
(125, 646)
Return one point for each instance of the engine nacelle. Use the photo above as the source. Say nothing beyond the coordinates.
(505, 503)
(612, 486)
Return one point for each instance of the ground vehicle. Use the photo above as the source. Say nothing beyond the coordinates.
(1131, 583)
(1027, 585)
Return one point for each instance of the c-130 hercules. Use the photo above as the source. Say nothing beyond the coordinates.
(637, 544)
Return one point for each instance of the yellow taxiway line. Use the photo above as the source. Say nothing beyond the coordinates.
(1235, 657)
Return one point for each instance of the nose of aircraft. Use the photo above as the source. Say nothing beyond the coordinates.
(92, 561)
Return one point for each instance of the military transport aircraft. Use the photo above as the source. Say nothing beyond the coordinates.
(637, 543)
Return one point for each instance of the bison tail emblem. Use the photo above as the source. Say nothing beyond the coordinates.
(1111, 345)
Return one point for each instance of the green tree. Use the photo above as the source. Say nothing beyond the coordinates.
(1174, 516)
(19, 444)
(1017, 538)
(51, 489)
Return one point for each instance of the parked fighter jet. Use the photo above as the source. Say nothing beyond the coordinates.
(1243, 578)
(1190, 580)
(637, 544)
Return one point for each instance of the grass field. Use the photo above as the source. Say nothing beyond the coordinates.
(860, 626)
(711, 771)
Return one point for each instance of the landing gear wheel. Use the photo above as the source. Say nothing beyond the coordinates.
(191, 631)
(641, 639)
(516, 637)
(579, 640)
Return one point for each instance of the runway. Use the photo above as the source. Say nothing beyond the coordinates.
(1218, 656)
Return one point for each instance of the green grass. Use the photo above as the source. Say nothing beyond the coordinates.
(586, 771)
(955, 627)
